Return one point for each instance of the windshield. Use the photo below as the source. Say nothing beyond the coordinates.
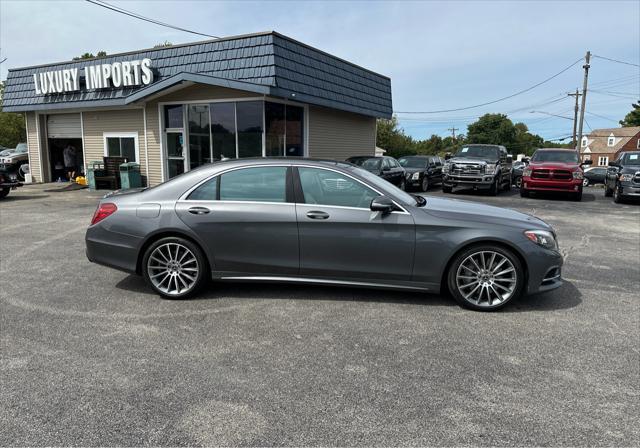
(369, 164)
(555, 156)
(631, 158)
(381, 184)
(479, 152)
(413, 162)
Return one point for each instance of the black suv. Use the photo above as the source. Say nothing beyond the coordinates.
(387, 168)
(623, 177)
(422, 171)
(481, 167)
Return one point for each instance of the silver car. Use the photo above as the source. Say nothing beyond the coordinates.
(319, 222)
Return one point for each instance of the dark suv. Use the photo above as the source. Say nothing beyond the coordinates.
(623, 177)
(481, 167)
(387, 168)
(422, 171)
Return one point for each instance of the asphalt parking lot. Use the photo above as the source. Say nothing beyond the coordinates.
(90, 357)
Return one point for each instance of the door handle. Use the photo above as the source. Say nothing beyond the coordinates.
(317, 215)
(199, 210)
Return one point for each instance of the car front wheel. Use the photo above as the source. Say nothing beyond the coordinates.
(425, 184)
(617, 196)
(485, 278)
(174, 267)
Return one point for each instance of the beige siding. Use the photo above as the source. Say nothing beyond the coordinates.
(200, 92)
(96, 123)
(153, 143)
(337, 135)
(34, 147)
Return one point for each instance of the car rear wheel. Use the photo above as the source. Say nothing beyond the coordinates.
(174, 267)
(485, 278)
(518, 181)
(585, 182)
(425, 184)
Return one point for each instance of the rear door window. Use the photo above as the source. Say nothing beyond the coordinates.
(258, 184)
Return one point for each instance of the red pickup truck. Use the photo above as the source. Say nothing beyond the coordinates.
(553, 169)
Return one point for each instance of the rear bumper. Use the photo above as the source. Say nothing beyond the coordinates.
(114, 250)
(569, 186)
(629, 190)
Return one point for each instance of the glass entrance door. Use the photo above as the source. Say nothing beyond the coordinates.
(175, 153)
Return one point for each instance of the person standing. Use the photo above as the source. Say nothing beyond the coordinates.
(70, 163)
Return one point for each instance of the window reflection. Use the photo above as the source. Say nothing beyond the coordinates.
(249, 119)
(223, 130)
(199, 141)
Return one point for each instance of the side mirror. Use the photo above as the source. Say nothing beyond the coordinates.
(447, 156)
(587, 162)
(382, 204)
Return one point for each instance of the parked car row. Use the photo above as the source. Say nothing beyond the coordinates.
(490, 168)
(13, 160)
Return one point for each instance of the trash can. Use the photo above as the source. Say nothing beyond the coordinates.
(95, 168)
(130, 175)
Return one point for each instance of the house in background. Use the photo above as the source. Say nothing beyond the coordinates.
(604, 145)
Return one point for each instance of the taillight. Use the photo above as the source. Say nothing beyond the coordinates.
(103, 211)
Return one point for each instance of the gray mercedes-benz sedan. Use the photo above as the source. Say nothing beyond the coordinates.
(319, 222)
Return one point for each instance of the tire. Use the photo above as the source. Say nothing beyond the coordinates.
(403, 185)
(507, 186)
(608, 192)
(4, 192)
(446, 189)
(493, 190)
(585, 182)
(518, 182)
(524, 193)
(155, 268)
(617, 197)
(425, 184)
(463, 282)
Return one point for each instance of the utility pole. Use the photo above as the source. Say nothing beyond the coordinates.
(584, 97)
(575, 115)
(453, 131)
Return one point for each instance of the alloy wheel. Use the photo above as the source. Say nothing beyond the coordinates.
(173, 269)
(585, 182)
(486, 278)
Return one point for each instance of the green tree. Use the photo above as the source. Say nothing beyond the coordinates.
(12, 128)
(166, 43)
(392, 138)
(492, 129)
(633, 117)
(101, 54)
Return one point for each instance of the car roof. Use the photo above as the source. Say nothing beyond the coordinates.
(556, 149)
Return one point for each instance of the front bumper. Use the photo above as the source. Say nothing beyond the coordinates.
(629, 189)
(568, 186)
(544, 268)
(475, 181)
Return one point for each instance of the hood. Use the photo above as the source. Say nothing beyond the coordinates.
(555, 166)
(466, 160)
(473, 211)
(630, 169)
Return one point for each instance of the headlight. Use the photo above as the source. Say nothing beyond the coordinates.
(527, 172)
(542, 238)
(625, 177)
(446, 167)
(415, 176)
(490, 169)
(578, 175)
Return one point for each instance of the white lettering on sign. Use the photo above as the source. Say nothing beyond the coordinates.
(98, 76)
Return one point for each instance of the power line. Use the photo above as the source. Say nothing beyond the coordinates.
(494, 101)
(615, 60)
(146, 19)
(602, 116)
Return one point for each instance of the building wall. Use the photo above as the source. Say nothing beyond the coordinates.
(632, 144)
(97, 122)
(34, 147)
(338, 135)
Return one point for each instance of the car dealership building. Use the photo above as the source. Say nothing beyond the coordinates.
(174, 108)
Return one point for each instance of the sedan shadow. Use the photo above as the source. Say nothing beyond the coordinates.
(568, 296)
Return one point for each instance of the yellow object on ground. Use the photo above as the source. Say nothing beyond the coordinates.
(81, 180)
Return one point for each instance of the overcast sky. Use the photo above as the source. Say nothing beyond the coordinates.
(439, 55)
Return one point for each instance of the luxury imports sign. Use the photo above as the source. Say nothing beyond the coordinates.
(99, 76)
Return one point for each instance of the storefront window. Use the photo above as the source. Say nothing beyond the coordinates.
(199, 141)
(275, 129)
(294, 138)
(121, 147)
(223, 130)
(249, 120)
(173, 117)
